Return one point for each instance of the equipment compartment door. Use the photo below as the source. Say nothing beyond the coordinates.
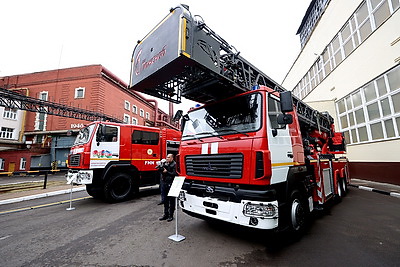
(326, 175)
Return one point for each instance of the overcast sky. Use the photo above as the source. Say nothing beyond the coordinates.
(40, 35)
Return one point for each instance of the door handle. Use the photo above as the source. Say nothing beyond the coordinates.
(290, 155)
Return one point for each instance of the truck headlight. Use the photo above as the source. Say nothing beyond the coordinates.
(260, 210)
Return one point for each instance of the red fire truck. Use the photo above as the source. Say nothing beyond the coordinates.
(253, 155)
(114, 159)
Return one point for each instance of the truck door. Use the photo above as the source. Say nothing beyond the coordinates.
(105, 146)
(279, 143)
(145, 149)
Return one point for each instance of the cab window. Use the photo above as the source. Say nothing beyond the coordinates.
(145, 138)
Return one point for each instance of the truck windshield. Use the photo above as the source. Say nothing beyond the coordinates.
(237, 115)
(84, 135)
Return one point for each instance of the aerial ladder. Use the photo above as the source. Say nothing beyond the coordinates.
(183, 57)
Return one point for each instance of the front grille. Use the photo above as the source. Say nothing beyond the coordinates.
(74, 160)
(219, 165)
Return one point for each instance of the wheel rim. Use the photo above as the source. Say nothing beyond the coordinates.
(120, 187)
(339, 188)
(344, 185)
(297, 214)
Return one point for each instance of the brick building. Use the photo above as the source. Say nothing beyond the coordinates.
(92, 88)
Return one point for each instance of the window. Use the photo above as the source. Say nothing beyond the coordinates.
(147, 116)
(372, 112)
(395, 4)
(134, 121)
(22, 164)
(127, 118)
(381, 13)
(145, 138)
(10, 113)
(41, 118)
(134, 109)
(394, 79)
(141, 113)
(107, 134)
(127, 105)
(80, 92)
(274, 109)
(313, 17)
(43, 95)
(6, 133)
(2, 163)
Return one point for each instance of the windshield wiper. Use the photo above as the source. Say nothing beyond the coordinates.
(233, 130)
(212, 133)
(193, 135)
(198, 138)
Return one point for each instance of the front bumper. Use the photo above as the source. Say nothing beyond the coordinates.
(229, 211)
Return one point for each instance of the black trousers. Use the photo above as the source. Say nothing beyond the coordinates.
(169, 203)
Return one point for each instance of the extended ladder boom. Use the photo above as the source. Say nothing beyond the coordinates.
(183, 57)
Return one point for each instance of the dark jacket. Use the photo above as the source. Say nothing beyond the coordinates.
(169, 176)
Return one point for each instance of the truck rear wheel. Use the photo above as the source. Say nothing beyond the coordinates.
(343, 183)
(339, 194)
(119, 187)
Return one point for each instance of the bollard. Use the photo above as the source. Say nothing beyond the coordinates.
(45, 180)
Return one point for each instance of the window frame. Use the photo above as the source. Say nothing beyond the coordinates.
(77, 90)
(22, 164)
(127, 118)
(127, 105)
(384, 126)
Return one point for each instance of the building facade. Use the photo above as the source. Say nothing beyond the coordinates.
(349, 65)
(91, 88)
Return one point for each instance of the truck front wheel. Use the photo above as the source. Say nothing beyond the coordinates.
(95, 191)
(298, 213)
(119, 187)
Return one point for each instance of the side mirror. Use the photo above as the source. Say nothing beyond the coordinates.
(286, 101)
(284, 119)
(99, 133)
(178, 115)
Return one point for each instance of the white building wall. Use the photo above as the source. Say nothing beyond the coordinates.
(375, 139)
(15, 124)
(376, 55)
(333, 19)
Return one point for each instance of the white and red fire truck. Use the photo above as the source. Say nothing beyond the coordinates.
(114, 159)
(253, 155)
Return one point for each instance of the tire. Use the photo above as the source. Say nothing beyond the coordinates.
(298, 213)
(95, 191)
(119, 187)
(339, 195)
(343, 183)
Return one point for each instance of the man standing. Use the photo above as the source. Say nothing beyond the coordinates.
(168, 173)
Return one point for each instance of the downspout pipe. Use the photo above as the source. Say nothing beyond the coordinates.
(156, 120)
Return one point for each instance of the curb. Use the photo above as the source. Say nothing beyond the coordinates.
(54, 193)
(366, 188)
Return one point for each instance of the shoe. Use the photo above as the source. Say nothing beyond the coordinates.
(170, 219)
(160, 203)
(164, 217)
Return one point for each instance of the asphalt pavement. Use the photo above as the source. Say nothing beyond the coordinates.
(60, 187)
